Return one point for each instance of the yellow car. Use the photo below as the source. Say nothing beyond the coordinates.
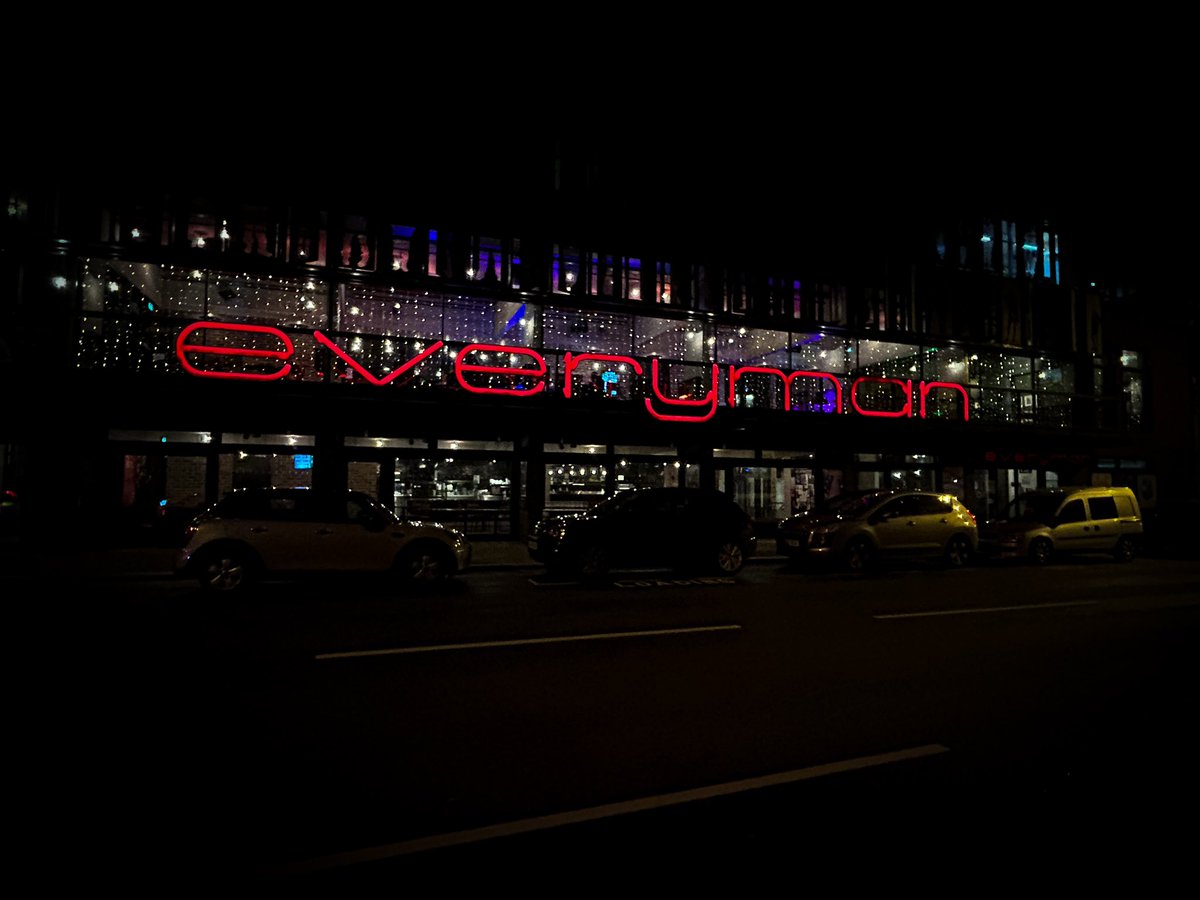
(862, 528)
(1040, 525)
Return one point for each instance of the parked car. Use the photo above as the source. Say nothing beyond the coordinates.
(1039, 525)
(291, 531)
(679, 528)
(859, 529)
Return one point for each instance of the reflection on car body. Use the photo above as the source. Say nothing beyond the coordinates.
(289, 531)
(681, 528)
(860, 528)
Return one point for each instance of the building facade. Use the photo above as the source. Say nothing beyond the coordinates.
(164, 347)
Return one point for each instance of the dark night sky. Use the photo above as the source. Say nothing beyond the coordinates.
(726, 153)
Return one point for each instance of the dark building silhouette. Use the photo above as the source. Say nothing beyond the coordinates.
(485, 338)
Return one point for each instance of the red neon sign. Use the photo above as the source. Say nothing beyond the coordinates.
(182, 348)
(927, 386)
(905, 386)
(539, 372)
(709, 399)
(570, 363)
(393, 375)
(736, 372)
(706, 405)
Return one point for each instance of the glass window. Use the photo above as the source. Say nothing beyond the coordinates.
(260, 470)
(185, 481)
(477, 321)
(469, 494)
(266, 299)
(1030, 249)
(753, 347)
(587, 331)
(671, 339)
(636, 474)
(887, 360)
(1131, 385)
(945, 364)
(1008, 249)
(363, 477)
(129, 288)
(821, 353)
(357, 251)
(1072, 512)
(1055, 376)
(1102, 507)
(1001, 371)
(362, 309)
(143, 345)
(381, 356)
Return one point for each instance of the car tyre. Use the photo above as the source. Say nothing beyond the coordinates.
(1125, 550)
(860, 555)
(425, 564)
(1040, 551)
(730, 558)
(958, 551)
(226, 570)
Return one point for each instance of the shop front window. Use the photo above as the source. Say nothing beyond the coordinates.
(246, 469)
(574, 484)
(471, 494)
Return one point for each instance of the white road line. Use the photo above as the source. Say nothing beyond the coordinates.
(591, 814)
(523, 642)
(984, 609)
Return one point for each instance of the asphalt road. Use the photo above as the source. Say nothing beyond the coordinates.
(333, 733)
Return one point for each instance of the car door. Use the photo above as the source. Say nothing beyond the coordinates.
(350, 535)
(933, 522)
(1072, 531)
(895, 525)
(282, 534)
(1104, 523)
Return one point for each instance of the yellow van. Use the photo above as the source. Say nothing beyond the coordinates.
(1039, 525)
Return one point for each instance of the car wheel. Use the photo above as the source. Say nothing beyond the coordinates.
(425, 564)
(1125, 550)
(1040, 551)
(225, 571)
(730, 558)
(958, 551)
(859, 555)
(593, 562)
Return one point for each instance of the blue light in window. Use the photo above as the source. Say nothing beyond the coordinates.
(514, 320)
(610, 379)
(162, 503)
(302, 461)
(1032, 248)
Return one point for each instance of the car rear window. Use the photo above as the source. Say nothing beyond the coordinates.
(1102, 507)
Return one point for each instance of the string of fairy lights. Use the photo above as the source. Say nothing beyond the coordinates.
(133, 313)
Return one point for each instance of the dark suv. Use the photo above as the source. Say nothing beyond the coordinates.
(679, 528)
(290, 531)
